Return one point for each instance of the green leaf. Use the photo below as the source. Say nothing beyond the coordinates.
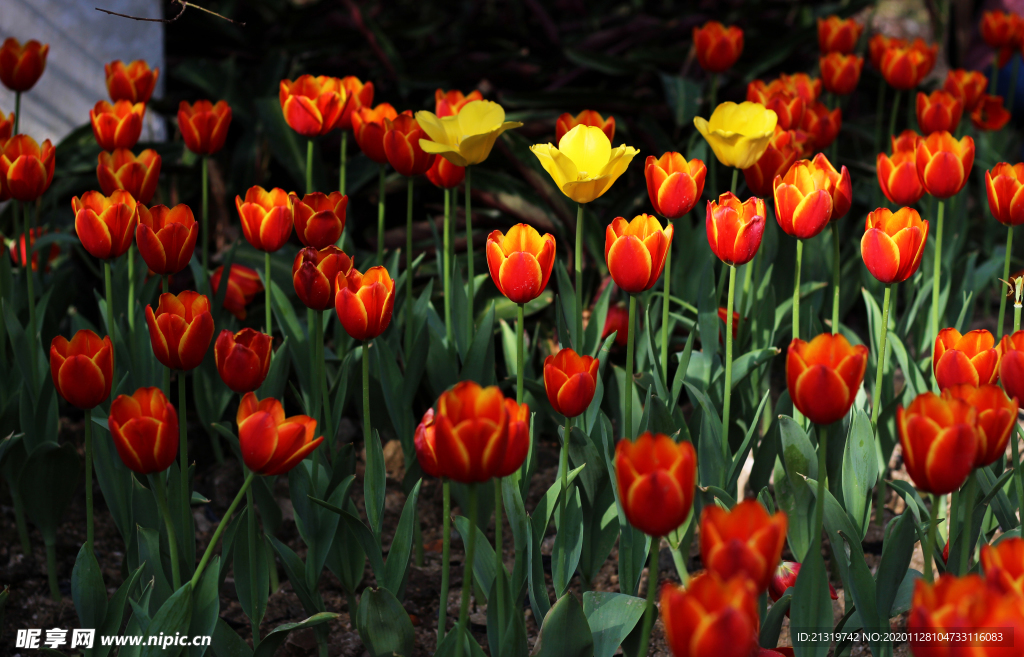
(401, 545)
(479, 363)
(740, 457)
(369, 544)
(897, 550)
(483, 555)
(611, 617)
(384, 625)
(772, 624)
(537, 587)
(811, 607)
(905, 593)
(565, 631)
(205, 606)
(567, 297)
(374, 485)
(565, 555)
(88, 590)
(296, 572)
(707, 315)
(48, 482)
(252, 594)
(860, 470)
(111, 624)
(227, 643)
(270, 643)
(800, 461)
(171, 618)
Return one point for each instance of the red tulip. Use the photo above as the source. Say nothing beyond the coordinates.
(968, 86)
(635, 251)
(471, 432)
(567, 122)
(320, 218)
(26, 168)
(368, 128)
(82, 368)
(838, 35)
(617, 320)
(997, 415)
(204, 126)
(840, 73)
(144, 428)
(905, 66)
(744, 540)
(839, 186)
(785, 578)
(1003, 565)
(936, 432)
(19, 256)
(105, 224)
(710, 617)
(803, 203)
(518, 438)
(570, 381)
(893, 244)
(673, 184)
(312, 106)
(785, 148)
(166, 237)
(821, 123)
(243, 358)
(879, 44)
(990, 114)
(938, 111)
(133, 82)
(243, 286)
(963, 602)
(135, 175)
(425, 442)
(118, 125)
(824, 375)
(897, 175)
(657, 479)
(1011, 364)
(21, 66)
(944, 164)
(972, 358)
(402, 146)
(266, 217)
(445, 175)
(735, 229)
(789, 107)
(520, 262)
(364, 302)
(315, 273)
(6, 126)
(448, 103)
(272, 444)
(802, 85)
(359, 95)
(180, 329)
(718, 47)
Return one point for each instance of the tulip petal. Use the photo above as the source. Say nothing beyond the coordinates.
(822, 395)
(629, 263)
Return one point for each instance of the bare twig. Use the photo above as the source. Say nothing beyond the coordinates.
(182, 3)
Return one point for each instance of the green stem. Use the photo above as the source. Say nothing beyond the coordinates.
(408, 273)
(221, 526)
(469, 253)
(309, 166)
(314, 364)
(796, 288)
(446, 539)
(51, 571)
(1016, 317)
(819, 508)
(578, 261)
(966, 544)
(30, 282)
(111, 324)
(1015, 455)
(666, 289)
(521, 311)
(366, 392)
(89, 534)
(267, 282)
(186, 493)
(727, 392)
(156, 482)
(380, 215)
(937, 270)
(447, 266)
(325, 389)
(131, 290)
(253, 576)
(467, 576)
(627, 418)
(735, 179)
(344, 161)
(563, 500)
(1006, 277)
(498, 556)
(206, 215)
(652, 588)
(930, 544)
(876, 401)
(835, 277)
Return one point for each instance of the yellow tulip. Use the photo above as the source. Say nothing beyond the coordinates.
(738, 134)
(467, 137)
(584, 165)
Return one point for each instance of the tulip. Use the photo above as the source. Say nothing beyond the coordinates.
(936, 432)
(656, 478)
(822, 124)
(19, 256)
(785, 578)
(570, 381)
(878, 44)
(840, 73)
(939, 111)
(905, 66)
(1003, 565)
(82, 368)
(144, 427)
(838, 35)
(166, 237)
(788, 107)
(673, 184)
(364, 302)
(990, 114)
(312, 106)
(26, 168)
(783, 150)
(735, 229)
(118, 125)
(738, 134)
(133, 82)
(744, 540)
(402, 146)
(963, 602)
(320, 218)
(6, 126)
(520, 262)
(839, 186)
(944, 164)
(315, 274)
(897, 175)
(360, 94)
(266, 217)
(135, 175)
(617, 321)
(204, 126)
(718, 47)
(467, 137)
(444, 174)
(893, 244)
(584, 165)
(243, 286)
(243, 358)
(425, 441)
(803, 203)
(972, 358)
(21, 66)
(801, 84)
(567, 122)
(272, 444)
(369, 126)
(181, 329)
(518, 439)
(997, 415)
(471, 432)
(105, 224)
(635, 251)
(1011, 364)
(710, 617)
(450, 103)
(1002, 31)
(968, 86)
(824, 375)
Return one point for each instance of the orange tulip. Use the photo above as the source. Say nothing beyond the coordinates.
(710, 617)
(617, 321)
(839, 187)
(735, 229)
(990, 114)
(105, 224)
(567, 122)
(1005, 184)
(570, 381)
(243, 286)
(905, 66)
(133, 82)
(82, 368)
(936, 432)
(840, 73)
(968, 86)
(425, 441)
(243, 358)
(315, 274)
(944, 164)
(364, 302)
(369, 128)
(822, 124)
(360, 94)
(445, 175)
(997, 415)
(718, 47)
(897, 174)
(673, 184)
(518, 445)
(272, 444)
(448, 103)
(824, 375)
(893, 244)
(180, 329)
(838, 35)
(26, 168)
(6, 126)
(471, 432)
(784, 149)
(166, 237)
(635, 251)
(266, 217)
(657, 478)
(938, 111)
(972, 358)
(785, 578)
(879, 44)
(21, 66)
(204, 126)
(803, 202)
(19, 257)
(118, 125)
(144, 428)
(402, 146)
(1003, 565)
(789, 107)
(801, 84)
(520, 262)
(966, 602)
(1011, 364)
(320, 218)
(744, 540)
(135, 175)
(312, 106)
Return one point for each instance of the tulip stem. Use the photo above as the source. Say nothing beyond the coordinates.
(186, 493)
(33, 337)
(267, 283)
(467, 576)
(206, 215)
(563, 504)
(521, 310)
(498, 557)
(937, 271)
(819, 509)
(727, 392)
(966, 544)
(735, 180)
(131, 292)
(836, 266)
(447, 266)
(1015, 455)
(88, 479)
(446, 540)
(253, 576)
(344, 163)
(876, 401)
(408, 273)
(325, 389)
(156, 482)
(1006, 277)
(469, 255)
(578, 261)
(221, 526)
(627, 418)
(652, 588)
(1016, 317)
(667, 285)
(930, 543)
(111, 328)
(366, 393)
(380, 215)
(51, 571)
(796, 288)
(309, 166)
(894, 112)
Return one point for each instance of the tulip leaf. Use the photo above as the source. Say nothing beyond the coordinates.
(170, 619)
(540, 602)
(296, 572)
(595, 325)
(905, 593)
(401, 545)
(366, 539)
(565, 631)
(600, 529)
(479, 363)
(565, 555)
(269, 645)
(347, 558)
(384, 625)
(494, 639)
(460, 311)
(611, 617)
(996, 498)
(205, 606)
(277, 375)
(87, 589)
(707, 315)
(114, 615)
(48, 482)
(747, 363)
(227, 643)
(567, 296)
(897, 550)
(860, 470)
(740, 457)
(450, 646)
(483, 555)
(442, 362)
(252, 576)
(681, 94)
(680, 376)
(771, 626)
(811, 607)
(114, 478)
(784, 310)
(374, 485)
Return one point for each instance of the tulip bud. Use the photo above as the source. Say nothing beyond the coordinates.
(243, 358)
(21, 66)
(520, 262)
(656, 478)
(997, 415)
(893, 244)
(570, 381)
(905, 66)
(180, 329)
(402, 146)
(785, 148)
(803, 204)
(144, 427)
(445, 175)
(673, 184)
(448, 103)
(133, 82)
(635, 251)
(82, 368)
(785, 578)
(1003, 565)
(990, 114)
(938, 111)
(471, 432)
(26, 168)
(135, 175)
(518, 446)
(839, 186)
(824, 375)
(971, 358)
(166, 237)
(840, 73)
(315, 274)
(710, 617)
(360, 94)
(1005, 186)
(19, 255)
(272, 444)
(243, 286)
(368, 128)
(425, 441)
(312, 106)
(822, 124)
(735, 229)
(266, 217)
(897, 175)
(320, 218)
(718, 47)
(6, 128)
(118, 125)
(617, 320)
(105, 225)
(838, 35)
(567, 122)
(364, 302)
(744, 540)
(935, 433)
(204, 126)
